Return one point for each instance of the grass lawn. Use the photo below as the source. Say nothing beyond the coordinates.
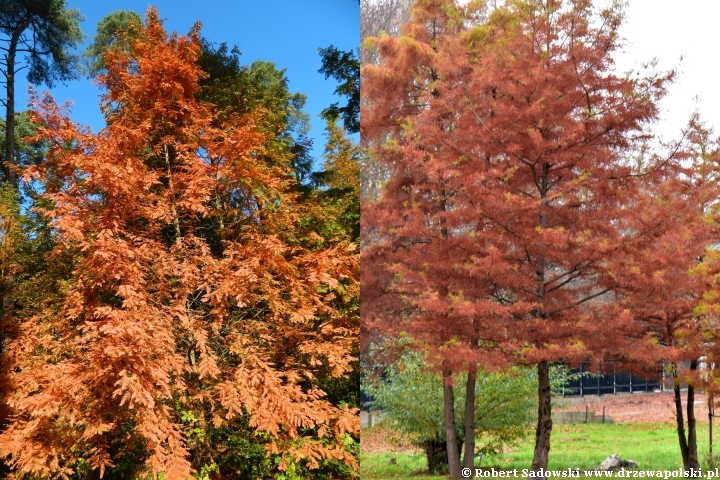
(654, 446)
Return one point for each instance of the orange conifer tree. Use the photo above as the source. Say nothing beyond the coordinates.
(514, 186)
(665, 294)
(154, 319)
(673, 299)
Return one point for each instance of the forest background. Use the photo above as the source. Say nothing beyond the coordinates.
(284, 32)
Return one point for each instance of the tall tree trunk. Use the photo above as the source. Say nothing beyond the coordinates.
(450, 435)
(7, 298)
(171, 187)
(679, 417)
(9, 154)
(10, 176)
(692, 453)
(544, 422)
(469, 424)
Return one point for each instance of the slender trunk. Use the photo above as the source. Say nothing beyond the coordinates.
(450, 436)
(7, 298)
(469, 454)
(692, 453)
(217, 201)
(711, 413)
(544, 424)
(10, 176)
(8, 302)
(453, 450)
(9, 155)
(679, 417)
(218, 206)
(544, 421)
(173, 209)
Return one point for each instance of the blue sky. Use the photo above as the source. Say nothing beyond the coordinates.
(287, 32)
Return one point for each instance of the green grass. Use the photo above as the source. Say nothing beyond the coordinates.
(654, 446)
(377, 466)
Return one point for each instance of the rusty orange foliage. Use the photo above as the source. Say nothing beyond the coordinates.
(154, 317)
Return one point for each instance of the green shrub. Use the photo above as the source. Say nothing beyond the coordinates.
(412, 398)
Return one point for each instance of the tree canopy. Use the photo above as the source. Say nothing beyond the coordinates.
(106, 36)
(516, 207)
(209, 322)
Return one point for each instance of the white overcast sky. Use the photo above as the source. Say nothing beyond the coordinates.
(668, 29)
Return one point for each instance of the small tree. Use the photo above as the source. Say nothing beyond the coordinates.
(676, 293)
(412, 398)
(664, 300)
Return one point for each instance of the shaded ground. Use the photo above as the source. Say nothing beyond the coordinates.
(638, 407)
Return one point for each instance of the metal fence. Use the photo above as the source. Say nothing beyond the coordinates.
(607, 384)
(611, 383)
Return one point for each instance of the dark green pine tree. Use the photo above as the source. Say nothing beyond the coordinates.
(37, 35)
(345, 68)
